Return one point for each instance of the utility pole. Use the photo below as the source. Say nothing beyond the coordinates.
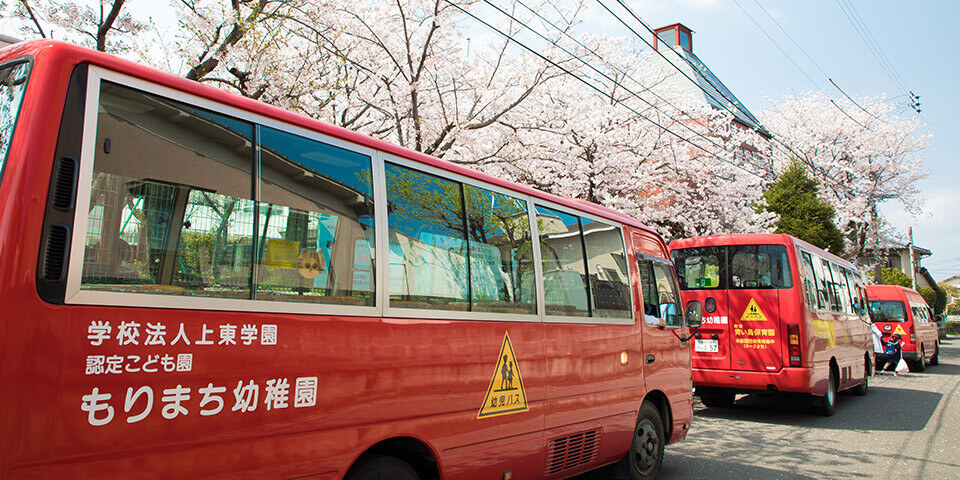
(913, 269)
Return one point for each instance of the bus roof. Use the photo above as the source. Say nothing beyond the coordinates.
(755, 239)
(889, 291)
(69, 54)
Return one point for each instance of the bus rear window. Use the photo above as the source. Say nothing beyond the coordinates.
(759, 266)
(698, 268)
(733, 267)
(887, 311)
(13, 82)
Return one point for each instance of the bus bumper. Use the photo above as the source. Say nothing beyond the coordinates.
(787, 379)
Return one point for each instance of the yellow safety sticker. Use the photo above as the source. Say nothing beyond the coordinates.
(505, 393)
(825, 330)
(900, 330)
(753, 313)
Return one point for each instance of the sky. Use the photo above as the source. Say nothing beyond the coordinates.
(917, 37)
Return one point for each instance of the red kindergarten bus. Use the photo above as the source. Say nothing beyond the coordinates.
(779, 315)
(196, 284)
(898, 310)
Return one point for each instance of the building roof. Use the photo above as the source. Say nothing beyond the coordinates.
(709, 89)
(888, 244)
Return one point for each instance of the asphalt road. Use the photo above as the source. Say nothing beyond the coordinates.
(906, 427)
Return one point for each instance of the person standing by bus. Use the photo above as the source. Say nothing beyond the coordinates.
(893, 352)
(877, 341)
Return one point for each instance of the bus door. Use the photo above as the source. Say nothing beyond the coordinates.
(700, 275)
(664, 335)
(756, 275)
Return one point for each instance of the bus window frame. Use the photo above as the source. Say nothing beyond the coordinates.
(29, 61)
(75, 295)
(677, 291)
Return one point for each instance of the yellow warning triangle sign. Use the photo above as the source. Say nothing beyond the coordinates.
(899, 330)
(505, 393)
(753, 313)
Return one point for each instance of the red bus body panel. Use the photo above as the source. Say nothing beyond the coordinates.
(419, 381)
(738, 366)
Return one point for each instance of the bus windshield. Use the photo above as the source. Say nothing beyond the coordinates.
(13, 82)
(733, 267)
(887, 311)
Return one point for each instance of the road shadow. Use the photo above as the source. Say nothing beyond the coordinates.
(852, 412)
(678, 465)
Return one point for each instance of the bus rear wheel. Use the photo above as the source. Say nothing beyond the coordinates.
(384, 467)
(867, 372)
(921, 363)
(828, 402)
(646, 451)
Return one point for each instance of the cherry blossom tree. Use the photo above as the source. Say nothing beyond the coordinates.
(103, 25)
(863, 155)
(624, 144)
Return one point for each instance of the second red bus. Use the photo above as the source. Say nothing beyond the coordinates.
(780, 315)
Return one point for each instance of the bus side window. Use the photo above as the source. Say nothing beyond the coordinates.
(809, 280)
(563, 261)
(607, 267)
(171, 208)
(428, 247)
(316, 222)
(660, 296)
(501, 253)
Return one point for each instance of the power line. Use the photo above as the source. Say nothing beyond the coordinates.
(883, 54)
(806, 55)
(867, 37)
(614, 81)
(761, 130)
(775, 43)
(588, 84)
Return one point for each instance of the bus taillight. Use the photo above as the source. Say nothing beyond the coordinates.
(793, 340)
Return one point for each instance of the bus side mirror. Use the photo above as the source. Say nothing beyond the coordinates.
(694, 314)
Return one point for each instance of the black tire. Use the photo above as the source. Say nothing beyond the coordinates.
(717, 398)
(827, 404)
(645, 457)
(383, 467)
(935, 360)
(863, 387)
(921, 364)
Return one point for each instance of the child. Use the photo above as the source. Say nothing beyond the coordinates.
(893, 351)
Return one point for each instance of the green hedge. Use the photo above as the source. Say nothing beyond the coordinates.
(953, 328)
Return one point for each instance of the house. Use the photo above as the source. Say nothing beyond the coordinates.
(673, 65)
(897, 256)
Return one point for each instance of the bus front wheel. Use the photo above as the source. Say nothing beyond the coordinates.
(381, 467)
(646, 451)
